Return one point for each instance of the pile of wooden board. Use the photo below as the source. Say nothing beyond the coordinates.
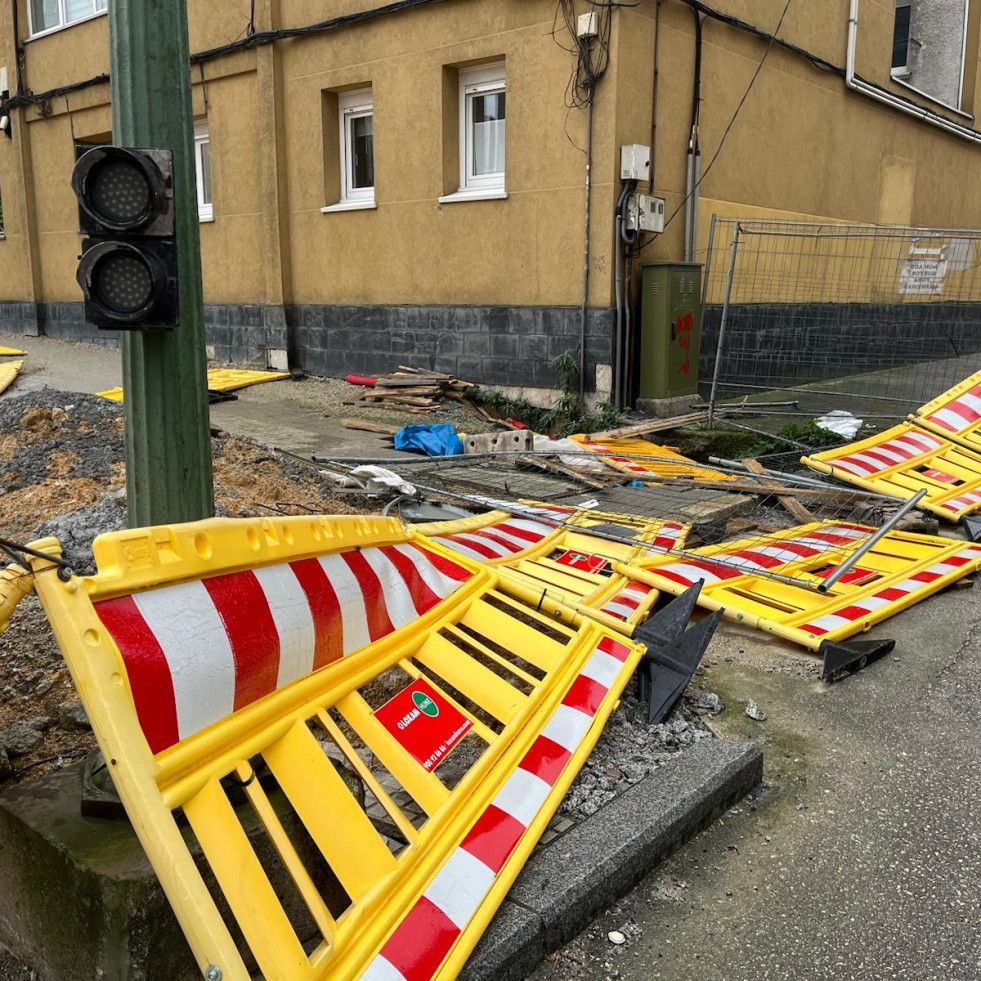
(416, 390)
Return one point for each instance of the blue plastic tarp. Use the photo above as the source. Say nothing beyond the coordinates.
(440, 440)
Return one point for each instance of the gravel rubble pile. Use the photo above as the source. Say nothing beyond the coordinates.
(62, 474)
(627, 751)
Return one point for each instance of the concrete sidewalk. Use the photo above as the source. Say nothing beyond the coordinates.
(861, 859)
(299, 417)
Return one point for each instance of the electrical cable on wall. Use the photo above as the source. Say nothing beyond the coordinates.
(731, 123)
(592, 53)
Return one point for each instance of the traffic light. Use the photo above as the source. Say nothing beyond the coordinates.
(128, 266)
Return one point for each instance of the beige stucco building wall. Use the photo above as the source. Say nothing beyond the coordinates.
(803, 145)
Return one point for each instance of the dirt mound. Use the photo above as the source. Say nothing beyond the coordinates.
(62, 473)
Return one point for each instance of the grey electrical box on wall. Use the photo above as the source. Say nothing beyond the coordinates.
(644, 213)
(635, 162)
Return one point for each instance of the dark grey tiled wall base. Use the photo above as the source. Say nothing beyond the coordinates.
(492, 345)
(792, 344)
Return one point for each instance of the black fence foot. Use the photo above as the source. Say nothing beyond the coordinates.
(971, 524)
(841, 658)
(673, 652)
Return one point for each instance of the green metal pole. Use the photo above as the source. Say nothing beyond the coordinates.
(168, 442)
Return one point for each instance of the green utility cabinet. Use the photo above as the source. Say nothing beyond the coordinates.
(670, 329)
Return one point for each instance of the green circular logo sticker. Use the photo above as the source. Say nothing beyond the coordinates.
(425, 704)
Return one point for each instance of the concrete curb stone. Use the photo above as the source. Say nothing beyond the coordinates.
(566, 884)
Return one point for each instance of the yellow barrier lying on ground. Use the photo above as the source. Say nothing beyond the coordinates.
(623, 454)
(564, 564)
(906, 459)
(235, 655)
(956, 414)
(739, 578)
(220, 380)
(9, 371)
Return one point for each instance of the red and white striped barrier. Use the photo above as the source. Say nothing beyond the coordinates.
(900, 591)
(967, 500)
(197, 651)
(778, 552)
(891, 453)
(960, 413)
(668, 536)
(497, 541)
(420, 943)
(626, 602)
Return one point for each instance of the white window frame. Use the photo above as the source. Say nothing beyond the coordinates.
(900, 72)
(350, 106)
(206, 209)
(484, 80)
(99, 9)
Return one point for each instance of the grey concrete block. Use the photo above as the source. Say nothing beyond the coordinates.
(80, 899)
(567, 883)
(616, 848)
(495, 957)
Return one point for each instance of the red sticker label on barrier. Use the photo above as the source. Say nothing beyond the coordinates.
(423, 723)
(582, 561)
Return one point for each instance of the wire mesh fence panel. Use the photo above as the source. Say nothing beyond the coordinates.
(873, 320)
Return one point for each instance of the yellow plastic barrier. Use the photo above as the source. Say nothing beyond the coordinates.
(899, 571)
(956, 414)
(243, 651)
(9, 371)
(219, 380)
(564, 565)
(16, 582)
(6, 352)
(904, 460)
(622, 454)
(672, 534)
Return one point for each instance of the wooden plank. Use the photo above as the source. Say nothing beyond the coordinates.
(652, 426)
(790, 503)
(370, 427)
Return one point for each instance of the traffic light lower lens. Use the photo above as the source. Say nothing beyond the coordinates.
(119, 191)
(123, 282)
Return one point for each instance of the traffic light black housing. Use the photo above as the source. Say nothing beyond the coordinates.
(128, 266)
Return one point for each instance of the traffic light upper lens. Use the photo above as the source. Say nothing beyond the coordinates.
(123, 282)
(120, 192)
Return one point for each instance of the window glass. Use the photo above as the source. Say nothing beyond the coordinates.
(361, 135)
(77, 9)
(44, 15)
(205, 171)
(900, 37)
(488, 112)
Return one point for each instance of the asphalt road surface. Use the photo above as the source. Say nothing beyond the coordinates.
(861, 857)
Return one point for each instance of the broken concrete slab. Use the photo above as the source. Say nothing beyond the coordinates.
(566, 884)
(693, 505)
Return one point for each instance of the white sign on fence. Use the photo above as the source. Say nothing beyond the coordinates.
(922, 277)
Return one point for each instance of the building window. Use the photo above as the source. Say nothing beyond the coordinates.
(474, 133)
(356, 112)
(48, 15)
(483, 104)
(202, 170)
(900, 38)
(349, 150)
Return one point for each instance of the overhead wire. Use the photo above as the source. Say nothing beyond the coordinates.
(771, 40)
